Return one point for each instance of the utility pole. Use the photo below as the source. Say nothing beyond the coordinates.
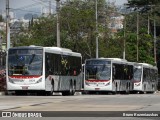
(96, 32)
(0, 41)
(137, 36)
(7, 25)
(49, 7)
(124, 46)
(148, 25)
(1, 52)
(155, 38)
(58, 26)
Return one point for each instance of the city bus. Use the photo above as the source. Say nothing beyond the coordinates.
(43, 70)
(145, 78)
(108, 75)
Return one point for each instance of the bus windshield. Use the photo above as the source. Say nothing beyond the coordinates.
(137, 74)
(97, 72)
(25, 63)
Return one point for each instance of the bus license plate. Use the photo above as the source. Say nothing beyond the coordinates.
(25, 88)
(97, 88)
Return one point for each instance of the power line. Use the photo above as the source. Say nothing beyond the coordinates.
(31, 5)
(24, 7)
(27, 6)
(25, 10)
(43, 3)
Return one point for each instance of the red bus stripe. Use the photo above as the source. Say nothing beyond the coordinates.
(25, 77)
(97, 80)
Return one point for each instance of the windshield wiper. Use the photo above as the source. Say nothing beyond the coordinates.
(33, 55)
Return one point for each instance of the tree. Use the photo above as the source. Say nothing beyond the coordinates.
(149, 8)
(145, 40)
(144, 5)
(41, 33)
(78, 29)
(78, 19)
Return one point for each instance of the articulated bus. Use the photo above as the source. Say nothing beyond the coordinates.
(108, 75)
(145, 78)
(43, 70)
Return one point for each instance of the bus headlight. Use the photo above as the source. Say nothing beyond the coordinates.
(40, 80)
(107, 84)
(11, 80)
(138, 84)
(87, 83)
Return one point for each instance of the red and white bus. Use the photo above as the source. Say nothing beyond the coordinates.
(43, 70)
(145, 78)
(108, 74)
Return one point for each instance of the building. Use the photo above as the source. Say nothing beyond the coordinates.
(116, 23)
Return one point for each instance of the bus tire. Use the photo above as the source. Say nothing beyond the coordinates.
(19, 92)
(64, 93)
(48, 93)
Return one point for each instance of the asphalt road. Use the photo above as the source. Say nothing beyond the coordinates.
(89, 107)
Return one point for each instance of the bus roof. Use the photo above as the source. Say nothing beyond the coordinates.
(117, 59)
(110, 59)
(63, 51)
(57, 50)
(26, 47)
(145, 65)
(113, 60)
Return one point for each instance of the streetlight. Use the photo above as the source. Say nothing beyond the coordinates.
(137, 36)
(155, 57)
(96, 32)
(124, 35)
(58, 26)
(7, 25)
(124, 44)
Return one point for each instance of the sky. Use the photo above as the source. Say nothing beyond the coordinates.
(119, 2)
(37, 3)
(20, 3)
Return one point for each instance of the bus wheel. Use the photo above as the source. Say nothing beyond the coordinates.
(64, 93)
(48, 93)
(20, 92)
(141, 92)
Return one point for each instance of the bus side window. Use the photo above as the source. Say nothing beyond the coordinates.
(114, 72)
(48, 65)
